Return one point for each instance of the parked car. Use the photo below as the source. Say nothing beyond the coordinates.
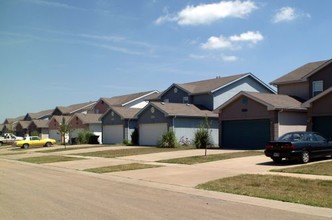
(9, 138)
(302, 146)
(34, 141)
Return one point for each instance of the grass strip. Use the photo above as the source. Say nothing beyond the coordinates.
(210, 158)
(324, 168)
(48, 159)
(122, 167)
(68, 148)
(12, 153)
(129, 152)
(286, 189)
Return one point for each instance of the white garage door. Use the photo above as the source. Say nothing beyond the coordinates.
(112, 134)
(150, 134)
(54, 134)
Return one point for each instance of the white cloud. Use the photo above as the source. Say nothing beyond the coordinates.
(284, 14)
(208, 13)
(229, 58)
(217, 43)
(249, 36)
(52, 4)
(233, 42)
(213, 57)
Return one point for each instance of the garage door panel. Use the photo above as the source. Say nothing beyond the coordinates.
(323, 125)
(112, 134)
(245, 134)
(150, 134)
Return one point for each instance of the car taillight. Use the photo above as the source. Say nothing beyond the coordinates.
(269, 146)
(288, 146)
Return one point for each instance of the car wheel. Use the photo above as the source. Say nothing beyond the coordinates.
(276, 159)
(48, 144)
(305, 157)
(25, 146)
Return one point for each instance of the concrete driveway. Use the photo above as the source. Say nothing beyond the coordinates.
(174, 174)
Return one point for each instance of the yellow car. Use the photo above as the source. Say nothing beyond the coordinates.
(34, 141)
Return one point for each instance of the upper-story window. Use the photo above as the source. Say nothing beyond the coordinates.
(317, 87)
(186, 100)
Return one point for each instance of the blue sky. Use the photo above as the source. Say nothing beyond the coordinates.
(57, 52)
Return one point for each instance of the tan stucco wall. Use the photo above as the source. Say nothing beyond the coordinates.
(237, 110)
(300, 90)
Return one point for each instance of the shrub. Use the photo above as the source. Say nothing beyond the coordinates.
(134, 137)
(202, 137)
(126, 142)
(168, 139)
(35, 133)
(84, 137)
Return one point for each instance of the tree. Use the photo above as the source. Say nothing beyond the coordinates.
(64, 128)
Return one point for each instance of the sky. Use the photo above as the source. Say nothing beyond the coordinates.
(63, 52)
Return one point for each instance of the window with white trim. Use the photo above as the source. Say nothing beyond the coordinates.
(186, 100)
(317, 87)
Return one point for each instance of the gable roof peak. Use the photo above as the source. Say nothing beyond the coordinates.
(302, 73)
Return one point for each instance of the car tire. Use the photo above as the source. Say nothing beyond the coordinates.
(305, 157)
(48, 144)
(25, 146)
(276, 159)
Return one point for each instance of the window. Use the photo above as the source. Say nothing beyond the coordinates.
(319, 138)
(317, 87)
(186, 100)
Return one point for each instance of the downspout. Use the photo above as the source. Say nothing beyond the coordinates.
(128, 130)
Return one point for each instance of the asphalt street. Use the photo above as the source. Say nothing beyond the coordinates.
(42, 192)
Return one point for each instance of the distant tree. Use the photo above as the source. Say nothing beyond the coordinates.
(64, 128)
(35, 133)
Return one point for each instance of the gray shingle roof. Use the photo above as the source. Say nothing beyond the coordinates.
(41, 114)
(124, 112)
(271, 101)
(275, 101)
(13, 120)
(209, 85)
(40, 123)
(301, 73)
(24, 124)
(71, 109)
(58, 118)
(308, 103)
(124, 99)
(184, 110)
(89, 118)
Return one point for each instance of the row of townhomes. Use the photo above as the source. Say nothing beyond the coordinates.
(243, 112)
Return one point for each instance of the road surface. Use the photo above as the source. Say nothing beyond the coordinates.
(40, 192)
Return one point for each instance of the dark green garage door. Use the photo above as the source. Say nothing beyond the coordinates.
(323, 125)
(245, 134)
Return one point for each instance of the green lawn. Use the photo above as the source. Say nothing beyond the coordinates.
(70, 147)
(122, 167)
(212, 157)
(287, 189)
(323, 168)
(49, 159)
(129, 152)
